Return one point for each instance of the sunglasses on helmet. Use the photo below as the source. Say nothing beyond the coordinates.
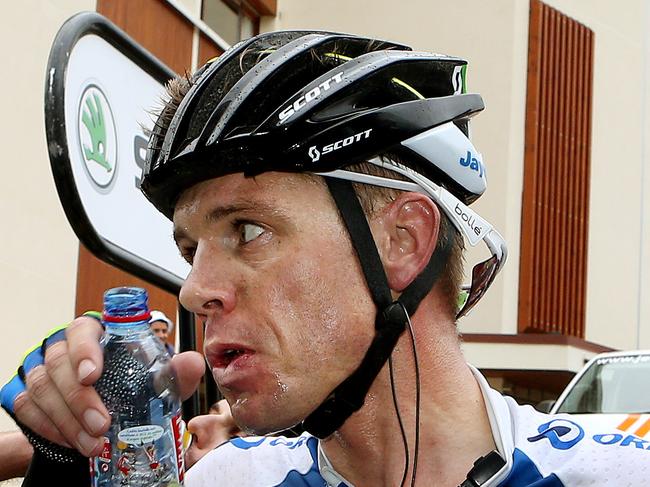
(472, 226)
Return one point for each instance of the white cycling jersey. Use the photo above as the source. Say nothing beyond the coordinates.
(540, 451)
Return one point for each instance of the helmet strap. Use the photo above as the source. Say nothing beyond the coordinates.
(392, 316)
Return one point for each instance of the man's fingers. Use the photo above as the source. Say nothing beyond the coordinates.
(83, 401)
(86, 355)
(189, 368)
(43, 393)
(31, 416)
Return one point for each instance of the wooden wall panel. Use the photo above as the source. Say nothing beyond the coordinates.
(95, 276)
(207, 49)
(155, 25)
(264, 7)
(556, 174)
(527, 284)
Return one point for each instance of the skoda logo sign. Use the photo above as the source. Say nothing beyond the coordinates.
(97, 136)
(561, 433)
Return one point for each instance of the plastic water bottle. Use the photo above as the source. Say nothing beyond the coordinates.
(143, 446)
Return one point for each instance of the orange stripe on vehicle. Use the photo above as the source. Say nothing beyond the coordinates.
(643, 430)
(629, 421)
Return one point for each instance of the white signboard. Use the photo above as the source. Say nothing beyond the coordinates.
(108, 93)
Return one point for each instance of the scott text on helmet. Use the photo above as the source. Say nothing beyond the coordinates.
(309, 96)
(315, 154)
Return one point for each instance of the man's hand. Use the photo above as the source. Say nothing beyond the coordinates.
(60, 403)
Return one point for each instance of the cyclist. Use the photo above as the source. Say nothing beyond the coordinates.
(319, 186)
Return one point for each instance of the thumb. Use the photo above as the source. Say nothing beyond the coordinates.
(189, 368)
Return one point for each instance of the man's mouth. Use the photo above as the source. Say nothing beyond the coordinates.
(226, 355)
(231, 354)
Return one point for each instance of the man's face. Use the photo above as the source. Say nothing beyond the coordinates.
(159, 329)
(287, 312)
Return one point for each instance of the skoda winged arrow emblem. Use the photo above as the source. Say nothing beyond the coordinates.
(97, 136)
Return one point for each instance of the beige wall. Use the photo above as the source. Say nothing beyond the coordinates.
(493, 36)
(38, 251)
(644, 290)
(535, 357)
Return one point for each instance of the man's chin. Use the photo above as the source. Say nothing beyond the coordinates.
(263, 428)
(264, 421)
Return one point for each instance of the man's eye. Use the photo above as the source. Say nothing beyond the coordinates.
(250, 232)
(188, 254)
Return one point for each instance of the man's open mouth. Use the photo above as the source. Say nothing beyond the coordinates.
(227, 355)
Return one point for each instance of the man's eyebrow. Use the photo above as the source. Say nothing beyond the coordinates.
(221, 212)
(178, 234)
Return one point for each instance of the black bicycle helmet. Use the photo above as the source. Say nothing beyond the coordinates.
(277, 101)
(319, 102)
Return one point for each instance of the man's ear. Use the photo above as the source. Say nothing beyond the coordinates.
(411, 225)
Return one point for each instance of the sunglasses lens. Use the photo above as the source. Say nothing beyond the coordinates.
(482, 276)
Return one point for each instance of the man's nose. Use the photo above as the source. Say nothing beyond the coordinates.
(207, 289)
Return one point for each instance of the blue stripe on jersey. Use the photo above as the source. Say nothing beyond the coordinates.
(310, 479)
(243, 444)
(524, 473)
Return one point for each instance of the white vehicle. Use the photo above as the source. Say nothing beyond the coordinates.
(613, 384)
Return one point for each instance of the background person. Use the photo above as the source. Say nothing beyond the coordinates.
(209, 431)
(162, 327)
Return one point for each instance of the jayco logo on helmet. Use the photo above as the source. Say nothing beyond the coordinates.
(315, 154)
(474, 163)
(304, 100)
(561, 433)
